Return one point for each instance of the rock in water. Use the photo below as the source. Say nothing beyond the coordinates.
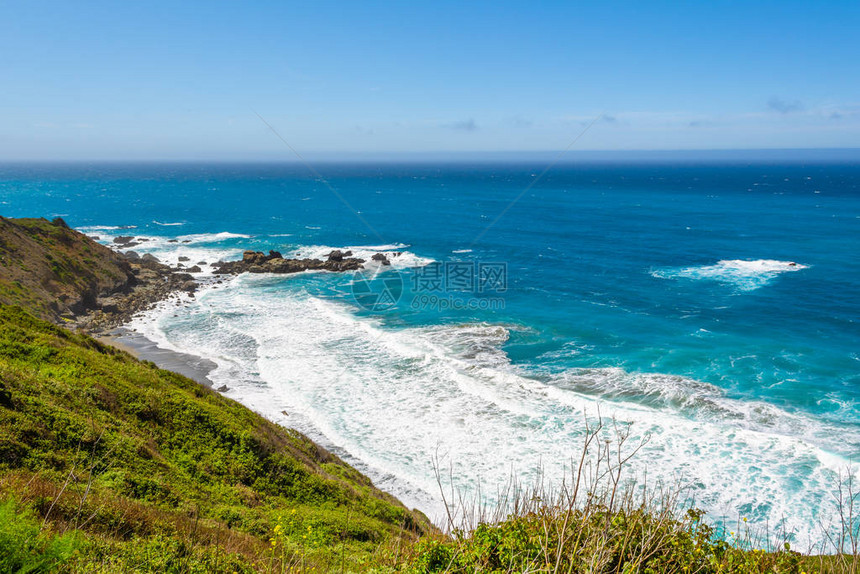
(274, 262)
(381, 258)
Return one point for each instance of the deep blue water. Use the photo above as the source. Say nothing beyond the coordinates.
(715, 304)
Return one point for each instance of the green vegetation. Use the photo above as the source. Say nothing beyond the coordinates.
(159, 473)
(52, 270)
(551, 538)
(25, 547)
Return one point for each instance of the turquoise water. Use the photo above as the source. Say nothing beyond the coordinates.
(715, 305)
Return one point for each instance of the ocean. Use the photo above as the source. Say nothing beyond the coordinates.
(713, 305)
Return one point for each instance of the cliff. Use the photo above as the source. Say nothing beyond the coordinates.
(56, 271)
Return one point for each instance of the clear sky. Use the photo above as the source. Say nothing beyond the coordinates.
(183, 80)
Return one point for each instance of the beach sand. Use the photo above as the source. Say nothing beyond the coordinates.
(191, 366)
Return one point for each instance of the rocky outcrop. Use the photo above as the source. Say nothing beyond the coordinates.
(125, 242)
(64, 276)
(381, 258)
(155, 282)
(55, 271)
(274, 262)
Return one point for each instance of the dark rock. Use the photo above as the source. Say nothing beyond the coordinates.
(194, 269)
(223, 389)
(186, 241)
(351, 264)
(336, 255)
(123, 239)
(274, 262)
(183, 258)
(173, 241)
(95, 238)
(258, 258)
(189, 286)
(149, 257)
(381, 258)
(60, 222)
(201, 263)
(253, 257)
(109, 308)
(281, 266)
(132, 255)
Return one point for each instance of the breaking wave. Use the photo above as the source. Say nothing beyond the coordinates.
(741, 274)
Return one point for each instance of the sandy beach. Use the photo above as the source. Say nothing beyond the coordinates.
(191, 366)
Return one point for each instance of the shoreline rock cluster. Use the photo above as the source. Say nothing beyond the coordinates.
(151, 281)
(274, 262)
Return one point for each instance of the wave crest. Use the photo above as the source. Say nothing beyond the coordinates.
(743, 275)
(397, 254)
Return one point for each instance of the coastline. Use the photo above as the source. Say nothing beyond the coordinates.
(191, 366)
(277, 404)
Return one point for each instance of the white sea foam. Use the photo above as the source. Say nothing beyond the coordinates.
(168, 224)
(462, 251)
(397, 254)
(201, 249)
(90, 228)
(392, 399)
(212, 237)
(741, 274)
(192, 249)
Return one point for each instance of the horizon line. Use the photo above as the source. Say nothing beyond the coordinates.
(838, 153)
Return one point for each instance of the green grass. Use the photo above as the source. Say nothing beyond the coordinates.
(100, 442)
(26, 547)
(49, 268)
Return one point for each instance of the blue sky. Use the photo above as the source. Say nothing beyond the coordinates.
(159, 80)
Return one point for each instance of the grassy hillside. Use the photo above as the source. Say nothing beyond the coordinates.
(95, 441)
(54, 270)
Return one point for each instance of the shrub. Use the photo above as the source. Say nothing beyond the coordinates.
(25, 547)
